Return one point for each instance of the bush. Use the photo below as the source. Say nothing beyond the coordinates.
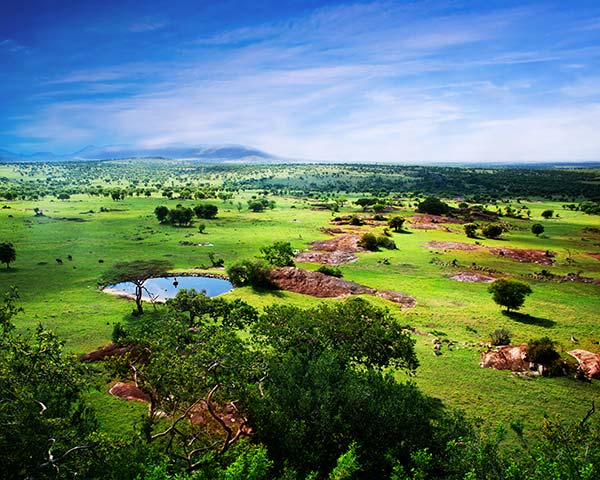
(542, 351)
(331, 271)
(356, 221)
(279, 254)
(255, 274)
(471, 230)
(500, 336)
(547, 213)
(369, 241)
(206, 211)
(119, 334)
(492, 231)
(386, 242)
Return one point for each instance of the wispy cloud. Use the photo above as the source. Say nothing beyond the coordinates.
(148, 24)
(12, 46)
(361, 82)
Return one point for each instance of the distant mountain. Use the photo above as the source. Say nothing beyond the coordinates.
(204, 153)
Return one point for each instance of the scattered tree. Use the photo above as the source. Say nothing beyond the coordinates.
(279, 254)
(547, 214)
(509, 293)
(8, 254)
(162, 213)
(492, 230)
(471, 230)
(207, 211)
(396, 223)
(537, 229)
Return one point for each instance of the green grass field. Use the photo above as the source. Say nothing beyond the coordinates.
(65, 297)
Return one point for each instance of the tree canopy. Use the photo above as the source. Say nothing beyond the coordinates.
(509, 293)
(8, 254)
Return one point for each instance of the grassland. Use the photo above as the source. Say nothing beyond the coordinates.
(66, 298)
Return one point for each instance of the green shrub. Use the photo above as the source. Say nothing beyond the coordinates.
(500, 336)
(542, 351)
(492, 230)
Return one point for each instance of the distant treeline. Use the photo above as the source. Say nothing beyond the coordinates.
(175, 179)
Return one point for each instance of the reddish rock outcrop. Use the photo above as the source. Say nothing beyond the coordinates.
(508, 357)
(588, 362)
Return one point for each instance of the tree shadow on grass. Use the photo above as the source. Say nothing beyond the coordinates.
(8, 271)
(529, 319)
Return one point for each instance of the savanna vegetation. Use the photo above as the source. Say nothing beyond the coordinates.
(287, 385)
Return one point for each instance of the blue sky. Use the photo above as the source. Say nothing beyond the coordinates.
(410, 82)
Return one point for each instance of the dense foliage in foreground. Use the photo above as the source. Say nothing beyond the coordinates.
(312, 386)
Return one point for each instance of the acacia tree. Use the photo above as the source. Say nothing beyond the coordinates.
(8, 253)
(509, 293)
(136, 272)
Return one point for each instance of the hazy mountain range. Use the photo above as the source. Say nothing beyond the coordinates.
(203, 153)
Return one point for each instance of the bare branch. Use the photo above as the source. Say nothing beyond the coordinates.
(590, 412)
(43, 407)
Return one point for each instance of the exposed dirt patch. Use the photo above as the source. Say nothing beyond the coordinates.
(128, 391)
(344, 243)
(472, 277)
(329, 258)
(336, 251)
(594, 255)
(434, 245)
(428, 219)
(589, 362)
(109, 350)
(509, 357)
(405, 300)
(325, 286)
(541, 257)
(315, 283)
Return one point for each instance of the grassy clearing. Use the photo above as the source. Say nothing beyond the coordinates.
(65, 296)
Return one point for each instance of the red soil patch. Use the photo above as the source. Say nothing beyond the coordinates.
(434, 219)
(541, 257)
(332, 231)
(344, 243)
(429, 226)
(472, 277)
(109, 350)
(451, 246)
(594, 255)
(128, 391)
(336, 251)
(588, 362)
(325, 286)
(509, 357)
(329, 258)
(315, 283)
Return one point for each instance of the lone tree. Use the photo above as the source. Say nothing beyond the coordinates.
(136, 272)
(396, 223)
(537, 229)
(7, 253)
(509, 293)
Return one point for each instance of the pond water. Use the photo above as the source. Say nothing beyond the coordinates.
(167, 287)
